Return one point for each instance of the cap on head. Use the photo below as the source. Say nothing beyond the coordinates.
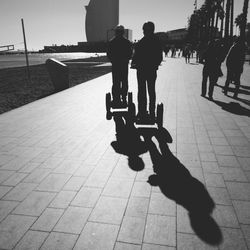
(119, 30)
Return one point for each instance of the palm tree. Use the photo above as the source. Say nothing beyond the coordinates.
(238, 20)
(219, 13)
(232, 18)
(227, 19)
(213, 13)
(244, 19)
(206, 9)
(203, 23)
(222, 18)
(202, 15)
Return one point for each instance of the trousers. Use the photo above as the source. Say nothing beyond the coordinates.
(146, 83)
(120, 80)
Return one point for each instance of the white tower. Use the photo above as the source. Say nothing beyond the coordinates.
(101, 17)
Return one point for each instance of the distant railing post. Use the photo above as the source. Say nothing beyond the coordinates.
(26, 52)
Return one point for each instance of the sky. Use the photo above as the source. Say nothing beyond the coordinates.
(59, 22)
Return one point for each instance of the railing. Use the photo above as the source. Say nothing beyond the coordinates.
(6, 48)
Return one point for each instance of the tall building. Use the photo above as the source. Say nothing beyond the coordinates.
(101, 17)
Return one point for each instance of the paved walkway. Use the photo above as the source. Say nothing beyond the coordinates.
(62, 185)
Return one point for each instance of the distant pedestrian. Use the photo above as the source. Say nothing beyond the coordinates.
(119, 52)
(173, 52)
(187, 54)
(179, 53)
(147, 57)
(166, 50)
(235, 62)
(211, 69)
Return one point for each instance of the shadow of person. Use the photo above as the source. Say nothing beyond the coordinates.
(129, 143)
(245, 87)
(247, 102)
(243, 90)
(176, 183)
(233, 107)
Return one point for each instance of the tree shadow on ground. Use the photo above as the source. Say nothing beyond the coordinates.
(233, 107)
(176, 183)
(129, 143)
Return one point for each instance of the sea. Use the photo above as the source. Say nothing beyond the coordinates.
(19, 60)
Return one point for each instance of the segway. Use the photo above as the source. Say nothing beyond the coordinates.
(127, 108)
(147, 121)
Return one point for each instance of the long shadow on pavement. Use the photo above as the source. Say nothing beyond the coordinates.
(233, 107)
(243, 90)
(176, 183)
(245, 87)
(173, 179)
(245, 101)
(129, 143)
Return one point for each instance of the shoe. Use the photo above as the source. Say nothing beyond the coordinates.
(203, 95)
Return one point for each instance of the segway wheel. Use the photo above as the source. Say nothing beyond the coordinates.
(108, 101)
(108, 106)
(108, 115)
(130, 98)
(159, 115)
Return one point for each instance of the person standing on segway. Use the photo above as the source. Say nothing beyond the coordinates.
(146, 59)
(119, 52)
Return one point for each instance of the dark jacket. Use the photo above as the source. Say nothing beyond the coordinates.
(119, 50)
(236, 57)
(147, 54)
(212, 59)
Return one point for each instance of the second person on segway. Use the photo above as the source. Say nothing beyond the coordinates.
(146, 60)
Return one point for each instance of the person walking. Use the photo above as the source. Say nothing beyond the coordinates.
(211, 69)
(119, 52)
(187, 53)
(147, 58)
(235, 62)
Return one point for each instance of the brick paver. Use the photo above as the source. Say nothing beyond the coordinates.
(63, 186)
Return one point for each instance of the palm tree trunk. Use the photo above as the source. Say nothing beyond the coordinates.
(212, 25)
(244, 22)
(228, 5)
(232, 18)
(216, 24)
(222, 20)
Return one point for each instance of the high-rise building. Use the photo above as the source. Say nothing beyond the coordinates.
(101, 17)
